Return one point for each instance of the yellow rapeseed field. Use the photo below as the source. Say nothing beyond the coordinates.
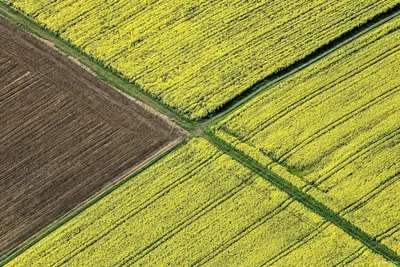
(333, 130)
(195, 206)
(197, 55)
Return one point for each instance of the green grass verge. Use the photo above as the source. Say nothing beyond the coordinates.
(309, 202)
(317, 55)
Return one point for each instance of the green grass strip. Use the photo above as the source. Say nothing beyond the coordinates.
(309, 202)
(317, 55)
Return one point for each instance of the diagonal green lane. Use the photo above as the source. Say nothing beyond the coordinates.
(308, 201)
(195, 127)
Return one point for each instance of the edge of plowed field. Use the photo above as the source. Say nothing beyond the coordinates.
(106, 74)
(6, 258)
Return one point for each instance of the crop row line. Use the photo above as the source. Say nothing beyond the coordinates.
(245, 231)
(197, 214)
(290, 108)
(388, 232)
(134, 212)
(356, 254)
(339, 121)
(204, 35)
(307, 238)
(370, 195)
(357, 154)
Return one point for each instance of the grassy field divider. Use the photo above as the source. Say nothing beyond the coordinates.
(283, 74)
(4, 259)
(308, 201)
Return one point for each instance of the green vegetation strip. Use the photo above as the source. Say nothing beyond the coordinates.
(4, 259)
(284, 74)
(305, 199)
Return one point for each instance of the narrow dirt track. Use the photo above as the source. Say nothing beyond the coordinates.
(64, 135)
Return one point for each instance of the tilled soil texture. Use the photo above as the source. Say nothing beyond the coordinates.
(64, 135)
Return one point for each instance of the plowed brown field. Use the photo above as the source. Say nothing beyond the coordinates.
(64, 135)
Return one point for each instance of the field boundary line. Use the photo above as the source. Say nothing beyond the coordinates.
(285, 73)
(6, 258)
(305, 199)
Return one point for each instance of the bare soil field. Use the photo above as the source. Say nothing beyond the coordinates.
(64, 135)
